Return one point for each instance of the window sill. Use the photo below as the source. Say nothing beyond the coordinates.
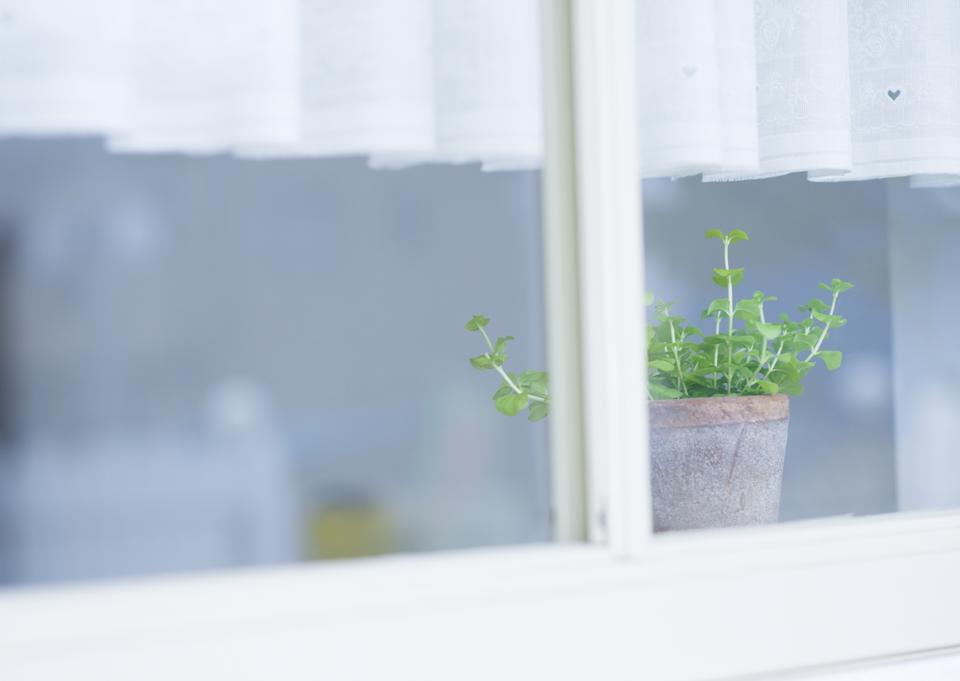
(719, 605)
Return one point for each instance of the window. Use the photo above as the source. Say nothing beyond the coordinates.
(873, 436)
(218, 362)
(798, 598)
(237, 276)
(807, 126)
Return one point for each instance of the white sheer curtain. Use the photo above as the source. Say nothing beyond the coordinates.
(59, 72)
(905, 88)
(208, 75)
(844, 89)
(400, 81)
(729, 89)
(366, 85)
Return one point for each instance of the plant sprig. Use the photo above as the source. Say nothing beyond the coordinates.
(526, 390)
(746, 354)
(756, 357)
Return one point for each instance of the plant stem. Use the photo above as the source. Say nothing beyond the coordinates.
(486, 338)
(503, 374)
(823, 334)
(774, 362)
(676, 357)
(716, 351)
(763, 348)
(763, 360)
(513, 386)
(726, 266)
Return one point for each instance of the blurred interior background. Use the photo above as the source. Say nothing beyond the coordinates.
(212, 362)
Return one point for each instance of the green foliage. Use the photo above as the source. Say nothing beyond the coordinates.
(747, 354)
(527, 390)
(476, 323)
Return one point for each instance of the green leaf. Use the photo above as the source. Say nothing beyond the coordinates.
(662, 308)
(662, 392)
(831, 358)
(833, 320)
(477, 323)
(815, 305)
(715, 234)
(838, 286)
(501, 344)
(648, 299)
(512, 404)
(662, 364)
(717, 305)
(538, 410)
(710, 341)
(533, 382)
(768, 387)
(791, 388)
(504, 390)
(800, 341)
(481, 362)
(737, 235)
(768, 331)
(743, 341)
(748, 310)
(721, 276)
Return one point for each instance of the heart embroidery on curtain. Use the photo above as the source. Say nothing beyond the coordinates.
(893, 94)
(689, 71)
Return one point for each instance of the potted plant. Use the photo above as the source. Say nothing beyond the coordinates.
(719, 406)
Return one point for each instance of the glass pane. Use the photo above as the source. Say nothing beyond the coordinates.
(214, 362)
(840, 453)
(789, 150)
(924, 248)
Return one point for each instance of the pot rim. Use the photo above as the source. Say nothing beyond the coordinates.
(723, 409)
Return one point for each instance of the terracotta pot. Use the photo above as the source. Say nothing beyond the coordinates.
(717, 461)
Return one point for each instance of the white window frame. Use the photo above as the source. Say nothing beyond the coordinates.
(840, 595)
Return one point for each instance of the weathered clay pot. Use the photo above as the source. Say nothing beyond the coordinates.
(717, 461)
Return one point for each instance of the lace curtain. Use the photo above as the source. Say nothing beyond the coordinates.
(728, 89)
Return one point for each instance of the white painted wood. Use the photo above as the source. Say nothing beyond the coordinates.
(805, 598)
(612, 272)
(943, 665)
(561, 279)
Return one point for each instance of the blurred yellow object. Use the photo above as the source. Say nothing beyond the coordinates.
(347, 530)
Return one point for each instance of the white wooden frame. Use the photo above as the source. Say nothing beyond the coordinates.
(796, 600)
